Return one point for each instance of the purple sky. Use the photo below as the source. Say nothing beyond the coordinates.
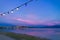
(37, 12)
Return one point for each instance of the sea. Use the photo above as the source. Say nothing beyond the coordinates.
(50, 33)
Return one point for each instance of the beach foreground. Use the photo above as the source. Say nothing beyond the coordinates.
(21, 36)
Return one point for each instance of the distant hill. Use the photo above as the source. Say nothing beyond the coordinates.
(55, 26)
(45, 26)
(31, 26)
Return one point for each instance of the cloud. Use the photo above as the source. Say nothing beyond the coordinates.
(39, 22)
(34, 22)
(26, 21)
(50, 23)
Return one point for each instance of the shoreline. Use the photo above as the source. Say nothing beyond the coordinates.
(22, 36)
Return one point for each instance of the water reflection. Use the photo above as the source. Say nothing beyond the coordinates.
(51, 33)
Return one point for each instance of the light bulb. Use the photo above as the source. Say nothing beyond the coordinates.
(3, 14)
(17, 8)
(12, 12)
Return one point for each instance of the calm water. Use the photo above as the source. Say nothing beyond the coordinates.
(51, 33)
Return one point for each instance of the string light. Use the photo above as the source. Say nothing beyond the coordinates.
(3, 14)
(12, 12)
(17, 8)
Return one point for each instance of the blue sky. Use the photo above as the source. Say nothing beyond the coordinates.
(37, 12)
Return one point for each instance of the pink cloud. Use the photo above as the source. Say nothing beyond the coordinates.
(31, 19)
(50, 23)
(35, 22)
(26, 21)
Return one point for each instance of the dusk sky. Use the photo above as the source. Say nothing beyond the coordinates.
(37, 12)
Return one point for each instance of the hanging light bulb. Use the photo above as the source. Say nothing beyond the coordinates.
(3, 14)
(12, 11)
(17, 8)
